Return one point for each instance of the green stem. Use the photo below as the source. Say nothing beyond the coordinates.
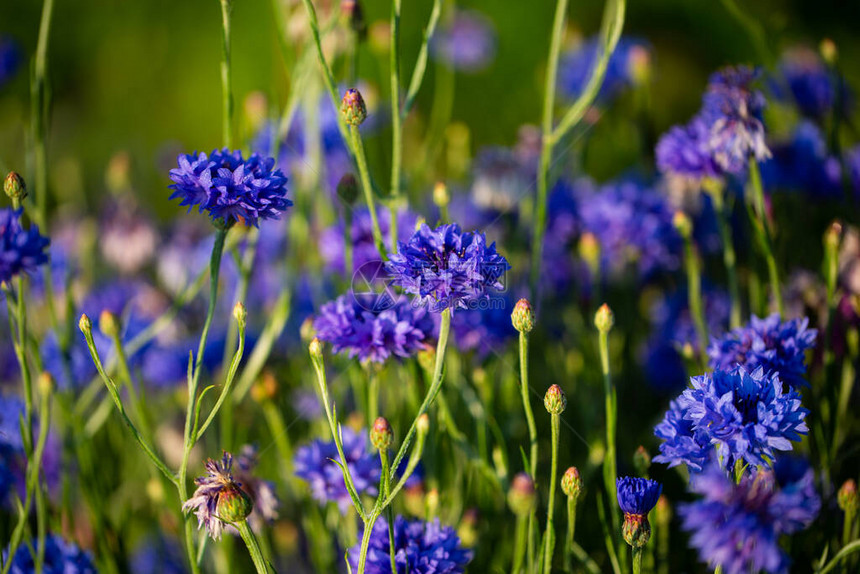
(571, 530)
(533, 439)
(396, 119)
(421, 62)
(610, 472)
(253, 547)
(549, 536)
(366, 185)
(759, 223)
(694, 296)
(384, 488)
(519, 544)
(226, 74)
(846, 551)
(717, 192)
(637, 560)
(39, 111)
(372, 395)
(228, 385)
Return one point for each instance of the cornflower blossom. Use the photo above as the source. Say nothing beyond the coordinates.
(774, 345)
(745, 416)
(447, 268)
(61, 557)
(627, 66)
(467, 44)
(219, 499)
(420, 548)
(738, 526)
(21, 250)
(365, 257)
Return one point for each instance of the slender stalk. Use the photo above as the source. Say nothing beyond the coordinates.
(367, 186)
(421, 62)
(533, 440)
(396, 120)
(637, 560)
(519, 544)
(39, 95)
(694, 296)
(608, 538)
(610, 472)
(549, 536)
(228, 385)
(253, 547)
(716, 190)
(841, 555)
(759, 223)
(571, 529)
(385, 486)
(372, 395)
(226, 74)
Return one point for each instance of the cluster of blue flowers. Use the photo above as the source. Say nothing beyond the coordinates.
(60, 557)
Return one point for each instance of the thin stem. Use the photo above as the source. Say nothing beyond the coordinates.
(385, 486)
(228, 385)
(759, 223)
(610, 472)
(717, 192)
(571, 529)
(637, 560)
(372, 395)
(226, 74)
(253, 547)
(263, 347)
(519, 544)
(396, 118)
(364, 174)
(549, 536)
(365, 541)
(39, 111)
(846, 551)
(694, 296)
(421, 62)
(530, 421)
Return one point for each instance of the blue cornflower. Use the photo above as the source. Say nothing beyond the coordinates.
(315, 464)
(746, 415)
(10, 59)
(810, 83)
(685, 151)
(803, 164)
(447, 268)
(467, 44)
(229, 187)
(637, 496)
(627, 66)
(420, 548)
(21, 251)
(373, 330)
(485, 330)
(159, 555)
(852, 165)
(365, 257)
(633, 226)
(776, 346)
(11, 443)
(61, 557)
(732, 110)
(738, 526)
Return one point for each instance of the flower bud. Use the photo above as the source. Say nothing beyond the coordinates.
(829, 52)
(571, 483)
(432, 502)
(683, 224)
(85, 325)
(352, 108)
(14, 186)
(423, 424)
(347, 189)
(636, 530)
(589, 250)
(522, 495)
(315, 348)
(380, 434)
(663, 511)
(554, 400)
(833, 236)
(351, 9)
(234, 504)
(45, 383)
(108, 324)
(604, 319)
(266, 388)
(240, 313)
(641, 461)
(847, 496)
(441, 197)
(523, 316)
(306, 331)
(639, 65)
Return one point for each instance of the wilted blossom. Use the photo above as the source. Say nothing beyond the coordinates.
(229, 187)
(315, 464)
(61, 557)
(467, 43)
(373, 328)
(447, 268)
(420, 548)
(217, 493)
(738, 527)
(746, 416)
(627, 66)
(774, 345)
(21, 250)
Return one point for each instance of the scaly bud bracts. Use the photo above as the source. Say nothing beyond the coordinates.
(523, 316)
(381, 434)
(554, 400)
(352, 108)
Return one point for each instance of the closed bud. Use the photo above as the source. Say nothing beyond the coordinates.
(604, 319)
(522, 495)
(571, 483)
(468, 529)
(351, 9)
(847, 496)
(352, 108)
(441, 197)
(14, 186)
(833, 236)
(589, 250)
(85, 325)
(234, 504)
(663, 510)
(347, 189)
(639, 65)
(380, 434)
(306, 331)
(266, 388)
(554, 400)
(636, 530)
(828, 51)
(315, 348)
(45, 384)
(523, 316)
(240, 313)
(641, 461)
(683, 224)
(432, 502)
(108, 324)
(423, 424)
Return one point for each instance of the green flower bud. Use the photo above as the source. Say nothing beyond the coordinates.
(571, 483)
(523, 316)
(833, 236)
(847, 496)
(352, 108)
(589, 250)
(234, 504)
(423, 424)
(14, 186)
(240, 313)
(380, 434)
(554, 400)
(441, 197)
(306, 331)
(829, 52)
(347, 189)
(108, 324)
(315, 348)
(522, 495)
(85, 325)
(683, 224)
(641, 461)
(45, 383)
(604, 319)
(636, 530)
(432, 502)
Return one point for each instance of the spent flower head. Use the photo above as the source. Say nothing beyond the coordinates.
(219, 499)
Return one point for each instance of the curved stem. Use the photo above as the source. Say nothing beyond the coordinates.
(842, 554)
(226, 74)
(253, 547)
(421, 62)
(549, 536)
(759, 223)
(396, 119)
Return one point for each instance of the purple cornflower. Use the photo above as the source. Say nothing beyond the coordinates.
(11, 444)
(485, 330)
(21, 251)
(627, 65)
(315, 464)
(467, 44)
(373, 330)
(685, 151)
(776, 346)
(447, 268)
(219, 500)
(365, 257)
(746, 415)
(61, 557)
(637, 496)
(230, 188)
(738, 526)
(810, 83)
(803, 164)
(633, 226)
(732, 110)
(421, 548)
